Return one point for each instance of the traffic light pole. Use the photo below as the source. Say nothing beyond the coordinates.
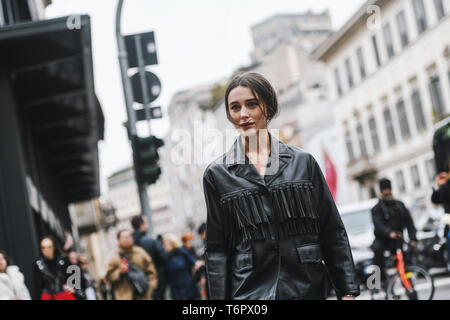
(131, 129)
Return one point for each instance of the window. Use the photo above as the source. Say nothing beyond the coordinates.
(418, 110)
(389, 127)
(337, 78)
(421, 17)
(375, 49)
(403, 119)
(440, 12)
(403, 28)
(415, 176)
(388, 40)
(13, 11)
(436, 97)
(400, 181)
(349, 145)
(374, 135)
(362, 66)
(348, 69)
(361, 141)
(431, 169)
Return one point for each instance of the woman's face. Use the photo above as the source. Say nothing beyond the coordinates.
(167, 245)
(245, 111)
(48, 249)
(73, 258)
(3, 263)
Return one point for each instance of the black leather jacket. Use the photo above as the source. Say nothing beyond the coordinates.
(273, 238)
(50, 276)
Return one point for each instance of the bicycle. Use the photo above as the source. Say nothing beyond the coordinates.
(407, 282)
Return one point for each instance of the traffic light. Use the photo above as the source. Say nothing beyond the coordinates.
(146, 158)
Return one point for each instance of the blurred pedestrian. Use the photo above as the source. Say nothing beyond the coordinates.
(50, 273)
(12, 281)
(273, 229)
(156, 251)
(390, 217)
(89, 286)
(442, 196)
(179, 271)
(119, 267)
(188, 243)
(74, 261)
(200, 272)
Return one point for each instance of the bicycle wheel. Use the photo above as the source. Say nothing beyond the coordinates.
(422, 283)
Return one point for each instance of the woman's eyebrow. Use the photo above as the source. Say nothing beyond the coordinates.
(248, 100)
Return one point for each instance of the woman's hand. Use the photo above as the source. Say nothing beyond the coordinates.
(68, 289)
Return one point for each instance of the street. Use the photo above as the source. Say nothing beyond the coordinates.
(441, 285)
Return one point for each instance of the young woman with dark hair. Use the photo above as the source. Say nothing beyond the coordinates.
(50, 272)
(12, 281)
(273, 230)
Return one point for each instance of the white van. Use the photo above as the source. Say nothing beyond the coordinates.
(357, 219)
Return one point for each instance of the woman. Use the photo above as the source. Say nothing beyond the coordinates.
(12, 285)
(179, 271)
(50, 273)
(271, 220)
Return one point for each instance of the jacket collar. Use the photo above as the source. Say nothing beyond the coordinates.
(279, 157)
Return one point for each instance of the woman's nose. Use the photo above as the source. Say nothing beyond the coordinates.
(244, 112)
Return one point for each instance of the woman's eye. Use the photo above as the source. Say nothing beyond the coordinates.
(252, 104)
(234, 107)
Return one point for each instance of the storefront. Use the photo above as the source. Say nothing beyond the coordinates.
(50, 124)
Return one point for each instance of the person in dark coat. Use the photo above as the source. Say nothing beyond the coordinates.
(442, 196)
(50, 273)
(390, 218)
(156, 251)
(179, 271)
(273, 230)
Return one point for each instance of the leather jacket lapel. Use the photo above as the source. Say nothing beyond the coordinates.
(278, 160)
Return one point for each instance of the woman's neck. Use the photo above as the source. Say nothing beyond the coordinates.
(258, 144)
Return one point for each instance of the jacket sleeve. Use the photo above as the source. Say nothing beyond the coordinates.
(441, 195)
(113, 271)
(38, 282)
(333, 238)
(150, 271)
(381, 229)
(409, 223)
(216, 256)
(161, 254)
(19, 285)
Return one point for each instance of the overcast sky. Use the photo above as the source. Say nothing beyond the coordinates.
(198, 41)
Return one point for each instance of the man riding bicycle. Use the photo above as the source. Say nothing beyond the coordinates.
(390, 217)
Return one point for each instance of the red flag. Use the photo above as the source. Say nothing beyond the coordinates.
(330, 175)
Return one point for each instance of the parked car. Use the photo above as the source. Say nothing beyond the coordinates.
(357, 219)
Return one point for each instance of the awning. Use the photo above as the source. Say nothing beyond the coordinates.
(52, 76)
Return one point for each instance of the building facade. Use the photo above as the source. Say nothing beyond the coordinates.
(123, 196)
(388, 71)
(50, 124)
(282, 45)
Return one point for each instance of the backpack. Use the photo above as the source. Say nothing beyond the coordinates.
(137, 279)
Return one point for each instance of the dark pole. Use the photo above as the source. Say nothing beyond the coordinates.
(131, 124)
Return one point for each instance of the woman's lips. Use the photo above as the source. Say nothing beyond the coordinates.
(246, 126)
